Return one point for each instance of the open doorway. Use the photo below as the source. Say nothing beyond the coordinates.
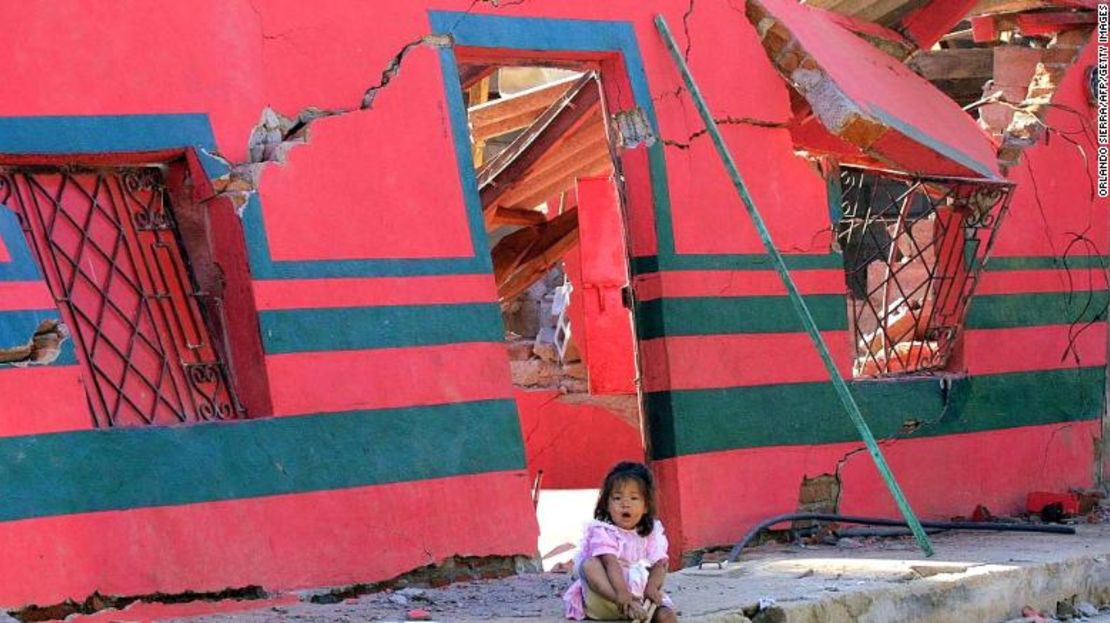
(548, 181)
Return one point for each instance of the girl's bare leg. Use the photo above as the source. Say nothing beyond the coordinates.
(593, 572)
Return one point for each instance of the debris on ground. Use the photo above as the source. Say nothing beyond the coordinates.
(1086, 609)
(776, 580)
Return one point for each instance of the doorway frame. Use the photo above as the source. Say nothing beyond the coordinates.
(610, 48)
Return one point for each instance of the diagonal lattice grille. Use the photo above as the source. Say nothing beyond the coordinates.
(108, 245)
(913, 248)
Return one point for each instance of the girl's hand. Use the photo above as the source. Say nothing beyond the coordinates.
(630, 606)
(654, 593)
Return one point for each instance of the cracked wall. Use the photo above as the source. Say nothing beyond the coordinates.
(43, 348)
(379, 323)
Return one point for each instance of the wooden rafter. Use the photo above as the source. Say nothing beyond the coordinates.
(524, 256)
(885, 12)
(955, 64)
(557, 181)
(518, 216)
(552, 129)
(469, 75)
(515, 112)
(994, 7)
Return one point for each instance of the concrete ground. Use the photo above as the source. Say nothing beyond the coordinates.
(981, 577)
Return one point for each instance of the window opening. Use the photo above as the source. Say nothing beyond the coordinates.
(108, 244)
(913, 248)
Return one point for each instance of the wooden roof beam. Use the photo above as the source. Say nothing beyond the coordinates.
(954, 64)
(552, 127)
(994, 7)
(556, 184)
(523, 257)
(507, 114)
(517, 216)
(583, 144)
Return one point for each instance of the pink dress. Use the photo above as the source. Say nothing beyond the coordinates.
(636, 555)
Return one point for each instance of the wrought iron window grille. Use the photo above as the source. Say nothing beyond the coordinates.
(108, 244)
(913, 250)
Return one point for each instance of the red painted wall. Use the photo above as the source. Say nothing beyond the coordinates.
(383, 184)
(574, 445)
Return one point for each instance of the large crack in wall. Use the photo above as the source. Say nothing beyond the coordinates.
(276, 134)
(43, 348)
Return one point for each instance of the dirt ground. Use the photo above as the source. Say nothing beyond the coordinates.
(783, 574)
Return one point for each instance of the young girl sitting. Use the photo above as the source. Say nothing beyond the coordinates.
(622, 561)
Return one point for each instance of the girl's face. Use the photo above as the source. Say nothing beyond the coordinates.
(626, 504)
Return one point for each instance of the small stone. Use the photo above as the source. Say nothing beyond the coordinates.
(412, 593)
(1064, 610)
(1086, 609)
(526, 373)
(848, 543)
(400, 600)
(545, 350)
(520, 350)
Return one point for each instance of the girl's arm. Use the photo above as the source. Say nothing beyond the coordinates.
(654, 588)
(624, 598)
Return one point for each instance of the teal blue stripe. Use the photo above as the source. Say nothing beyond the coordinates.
(707, 420)
(999, 311)
(104, 133)
(730, 315)
(22, 265)
(1046, 262)
(116, 469)
(356, 328)
(755, 261)
(748, 261)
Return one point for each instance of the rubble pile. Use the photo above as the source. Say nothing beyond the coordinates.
(538, 358)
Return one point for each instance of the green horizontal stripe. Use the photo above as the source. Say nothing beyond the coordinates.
(744, 261)
(757, 261)
(355, 328)
(693, 421)
(1046, 262)
(998, 311)
(114, 469)
(748, 314)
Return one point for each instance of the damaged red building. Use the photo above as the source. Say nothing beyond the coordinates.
(300, 298)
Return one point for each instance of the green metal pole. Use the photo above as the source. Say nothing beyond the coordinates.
(799, 304)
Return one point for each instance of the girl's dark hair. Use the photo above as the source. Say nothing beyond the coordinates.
(624, 472)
